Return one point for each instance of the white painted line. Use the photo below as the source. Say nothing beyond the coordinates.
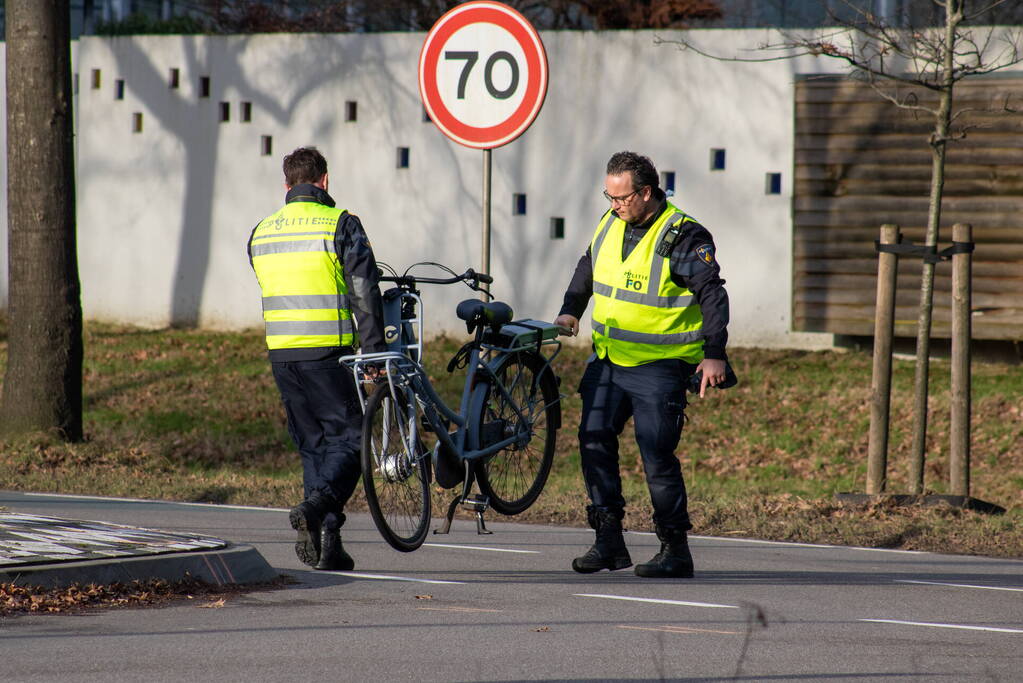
(659, 602)
(480, 547)
(887, 550)
(961, 585)
(677, 629)
(384, 577)
(150, 500)
(805, 545)
(955, 626)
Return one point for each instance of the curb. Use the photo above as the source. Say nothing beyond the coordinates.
(233, 564)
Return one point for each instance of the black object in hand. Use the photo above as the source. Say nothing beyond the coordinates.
(696, 379)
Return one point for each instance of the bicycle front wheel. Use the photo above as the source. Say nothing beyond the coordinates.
(395, 469)
(514, 476)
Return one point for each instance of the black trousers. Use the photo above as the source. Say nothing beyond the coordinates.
(654, 396)
(325, 422)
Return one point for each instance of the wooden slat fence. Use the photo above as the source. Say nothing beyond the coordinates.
(861, 161)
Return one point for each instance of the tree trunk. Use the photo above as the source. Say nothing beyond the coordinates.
(42, 388)
(939, 143)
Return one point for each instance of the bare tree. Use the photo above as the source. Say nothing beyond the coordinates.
(900, 63)
(42, 388)
(328, 16)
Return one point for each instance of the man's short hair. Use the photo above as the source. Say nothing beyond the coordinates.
(304, 165)
(641, 168)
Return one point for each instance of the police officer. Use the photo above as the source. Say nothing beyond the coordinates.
(660, 315)
(317, 273)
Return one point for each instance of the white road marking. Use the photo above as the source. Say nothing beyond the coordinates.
(656, 601)
(963, 627)
(73, 496)
(961, 585)
(677, 629)
(480, 547)
(459, 609)
(385, 577)
(802, 545)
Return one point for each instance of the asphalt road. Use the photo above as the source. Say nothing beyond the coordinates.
(507, 607)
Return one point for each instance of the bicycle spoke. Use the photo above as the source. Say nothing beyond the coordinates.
(514, 476)
(394, 475)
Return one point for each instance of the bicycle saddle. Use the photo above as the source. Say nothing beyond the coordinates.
(475, 312)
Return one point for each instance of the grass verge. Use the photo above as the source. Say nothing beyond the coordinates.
(194, 416)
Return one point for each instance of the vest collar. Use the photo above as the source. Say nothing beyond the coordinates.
(307, 192)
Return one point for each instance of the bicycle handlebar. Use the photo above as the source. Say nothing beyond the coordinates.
(470, 277)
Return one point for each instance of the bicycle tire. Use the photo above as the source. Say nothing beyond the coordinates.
(396, 481)
(514, 477)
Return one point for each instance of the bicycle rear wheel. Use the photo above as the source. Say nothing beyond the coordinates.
(513, 477)
(395, 470)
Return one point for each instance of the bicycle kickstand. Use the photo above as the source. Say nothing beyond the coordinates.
(475, 502)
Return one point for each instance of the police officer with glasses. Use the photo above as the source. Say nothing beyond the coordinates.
(660, 317)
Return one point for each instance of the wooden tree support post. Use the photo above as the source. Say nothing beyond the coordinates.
(959, 458)
(877, 450)
(881, 379)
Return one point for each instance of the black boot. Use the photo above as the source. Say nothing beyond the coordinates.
(332, 553)
(306, 518)
(609, 551)
(674, 561)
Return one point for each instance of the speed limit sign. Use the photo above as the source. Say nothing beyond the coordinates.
(483, 74)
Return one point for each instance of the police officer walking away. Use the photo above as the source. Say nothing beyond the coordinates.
(317, 272)
(660, 315)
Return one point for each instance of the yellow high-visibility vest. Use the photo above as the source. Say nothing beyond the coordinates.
(305, 297)
(640, 315)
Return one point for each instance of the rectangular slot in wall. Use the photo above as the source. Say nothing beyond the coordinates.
(246, 112)
(119, 89)
(225, 112)
(74, 84)
(204, 86)
(518, 204)
(717, 159)
(772, 183)
(174, 81)
(557, 228)
(96, 79)
(266, 146)
(403, 153)
(668, 182)
(351, 110)
(136, 122)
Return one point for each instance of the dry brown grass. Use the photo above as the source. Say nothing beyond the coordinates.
(188, 415)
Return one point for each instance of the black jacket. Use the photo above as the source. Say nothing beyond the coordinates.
(361, 276)
(693, 265)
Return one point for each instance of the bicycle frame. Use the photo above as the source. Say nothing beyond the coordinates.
(402, 372)
(466, 435)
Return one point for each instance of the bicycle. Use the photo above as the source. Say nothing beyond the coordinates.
(501, 438)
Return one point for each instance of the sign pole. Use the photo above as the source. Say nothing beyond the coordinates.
(485, 261)
(483, 80)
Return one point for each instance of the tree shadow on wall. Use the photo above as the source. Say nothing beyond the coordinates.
(193, 122)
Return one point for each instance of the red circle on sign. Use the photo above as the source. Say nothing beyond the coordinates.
(484, 12)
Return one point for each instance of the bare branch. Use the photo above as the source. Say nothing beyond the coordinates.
(683, 45)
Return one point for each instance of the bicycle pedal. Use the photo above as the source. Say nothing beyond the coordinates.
(476, 502)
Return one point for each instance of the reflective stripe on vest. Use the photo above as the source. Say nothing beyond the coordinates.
(305, 297)
(640, 314)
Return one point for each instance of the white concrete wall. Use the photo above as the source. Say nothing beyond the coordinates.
(164, 215)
